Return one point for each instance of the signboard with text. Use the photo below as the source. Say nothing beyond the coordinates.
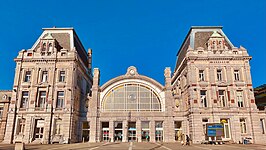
(215, 129)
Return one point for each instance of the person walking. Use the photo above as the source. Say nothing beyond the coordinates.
(188, 140)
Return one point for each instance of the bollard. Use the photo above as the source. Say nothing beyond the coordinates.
(19, 146)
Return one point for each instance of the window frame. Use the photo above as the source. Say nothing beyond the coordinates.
(219, 74)
(201, 75)
(1, 111)
(62, 77)
(41, 99)
(222, 98)
(44, 76)
(204, 101)
(236, 75)
(240, 99)
(27, 76)
(262, 124)
(60, 100)
(243, 125)
(21, 123)
(24, 99)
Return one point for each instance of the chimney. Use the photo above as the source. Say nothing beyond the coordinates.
(89, 59)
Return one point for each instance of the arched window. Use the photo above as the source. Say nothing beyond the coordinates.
(131, 97)
(44, 46)
(50, 47)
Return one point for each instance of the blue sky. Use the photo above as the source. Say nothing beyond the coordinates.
(143, 33)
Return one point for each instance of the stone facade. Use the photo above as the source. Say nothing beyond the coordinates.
(213, 83)
(5, 97)
(55, 98)
(51, 83)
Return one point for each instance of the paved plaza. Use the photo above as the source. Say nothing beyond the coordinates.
(136, 146)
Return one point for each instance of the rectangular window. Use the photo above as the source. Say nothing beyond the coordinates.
(219, 75)
(24, 99)
(58, 127)
(262, 123)
(236, 75)
(203, 98)
(60, 99)
(201, 75)
(1, 111)
(239, 98)
(44, 76)
(62, 76)
(27, 76)
(42, 99)
(21, 126)
(243, 126)
(222, 98)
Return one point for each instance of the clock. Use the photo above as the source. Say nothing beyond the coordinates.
(132, 72)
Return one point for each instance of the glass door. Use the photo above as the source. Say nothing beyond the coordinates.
(118, 136)
(159, 131)
(105, 131)
(86, 131)
(145, 131)
(132, 132)
(227, 132)
(178, 130)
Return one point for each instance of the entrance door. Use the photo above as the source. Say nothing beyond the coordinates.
(159, 131)
(145, 135)
(118, 136)
(105, 134)
(86, 131)
(145, 131)
(105, 131)
(178, 130)
(227, 132)
(132, 132)
(39, 127)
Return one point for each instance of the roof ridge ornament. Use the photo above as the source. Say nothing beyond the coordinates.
(132, 71)
(49, 36)
(216, 34)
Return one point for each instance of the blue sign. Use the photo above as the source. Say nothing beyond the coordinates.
(215, 129)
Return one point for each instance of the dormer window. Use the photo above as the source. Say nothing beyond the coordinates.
(235, 52)
(50, 47)
(44, 47)
(216, 42)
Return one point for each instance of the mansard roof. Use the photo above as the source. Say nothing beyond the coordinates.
(198, 37)
(66, 38)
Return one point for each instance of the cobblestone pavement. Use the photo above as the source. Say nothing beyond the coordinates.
(135, 146)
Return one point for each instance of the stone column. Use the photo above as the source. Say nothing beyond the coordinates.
(93, 108)
(111, 130)
(138, 132)
(125, 130)
(152, 131)
(93, 129)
